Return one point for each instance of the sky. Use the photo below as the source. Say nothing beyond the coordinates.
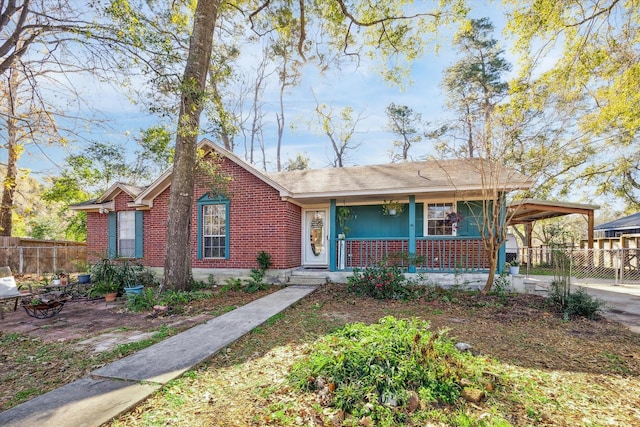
(361, 88)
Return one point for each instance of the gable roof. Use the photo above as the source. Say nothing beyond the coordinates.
(146, 197)
(459, 176)
(625, 223)
(430, 178)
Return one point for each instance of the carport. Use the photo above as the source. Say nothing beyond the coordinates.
(528, 211)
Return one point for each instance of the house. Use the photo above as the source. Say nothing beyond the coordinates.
(621, 226)
(333, 219)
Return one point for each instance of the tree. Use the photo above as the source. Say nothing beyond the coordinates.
(591, 57)
(384, 31)
(403, 122)
(339, 131)
(301, 162)
(489, 127)
(475, 84)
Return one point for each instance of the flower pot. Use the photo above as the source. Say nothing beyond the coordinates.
(63, 281)
(392, 212)
(514, 269)
(134, 290)
(110, 297)
(84, 278)
(56, 282)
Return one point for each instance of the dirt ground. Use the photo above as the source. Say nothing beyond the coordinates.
(100, 326)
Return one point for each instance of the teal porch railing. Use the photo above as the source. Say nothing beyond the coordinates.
(433, 254)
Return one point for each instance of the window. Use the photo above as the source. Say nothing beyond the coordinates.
(437, 223)
(126, 234)
(214, 231)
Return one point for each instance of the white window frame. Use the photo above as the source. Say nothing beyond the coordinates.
(215, 230)
(126, 234)
(446, 207)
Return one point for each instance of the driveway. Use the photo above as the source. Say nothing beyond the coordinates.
(623, 302)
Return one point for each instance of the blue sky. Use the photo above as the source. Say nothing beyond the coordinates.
(361, 88)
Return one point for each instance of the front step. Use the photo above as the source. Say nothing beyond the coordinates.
(306, 280)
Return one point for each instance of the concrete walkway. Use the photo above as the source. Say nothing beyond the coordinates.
(119, 386)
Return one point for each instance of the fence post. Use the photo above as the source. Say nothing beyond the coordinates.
(20, 260)
(622, 264)
(55, 259)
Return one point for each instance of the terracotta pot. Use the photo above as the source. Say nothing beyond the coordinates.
(110, 297)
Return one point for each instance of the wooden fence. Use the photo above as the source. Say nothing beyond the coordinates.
(32, 256)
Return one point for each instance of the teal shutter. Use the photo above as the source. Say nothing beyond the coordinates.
(112, 243)
(139, 251)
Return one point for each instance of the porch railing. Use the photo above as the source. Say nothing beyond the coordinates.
(433, 254)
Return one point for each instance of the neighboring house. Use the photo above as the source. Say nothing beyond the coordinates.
(331, 219)
(621, 226)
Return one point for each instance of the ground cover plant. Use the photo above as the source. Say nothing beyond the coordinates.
(536, 368)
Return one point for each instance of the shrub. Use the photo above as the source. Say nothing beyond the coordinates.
(581, 304)
(380, 281)
(143, 301)
(575, 304)
(374, 370)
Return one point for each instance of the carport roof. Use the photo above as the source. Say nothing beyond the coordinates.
(530, 210)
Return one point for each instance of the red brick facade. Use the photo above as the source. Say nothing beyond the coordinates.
(258, 221)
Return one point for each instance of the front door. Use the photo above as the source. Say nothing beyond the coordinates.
(315, 240)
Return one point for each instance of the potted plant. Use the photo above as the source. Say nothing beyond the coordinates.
(64, 279)
(392, 208)
(513, 266)
(55, 279)
(107, 288)
(129, 277)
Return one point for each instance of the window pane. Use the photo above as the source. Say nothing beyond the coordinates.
(126, 234)
(436, 219)
(214, 231)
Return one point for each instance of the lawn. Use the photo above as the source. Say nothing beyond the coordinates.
(543, 370)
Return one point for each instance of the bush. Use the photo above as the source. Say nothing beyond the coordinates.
(575, 304)
(381, 282)
(143, 301)
(581, 304)
(374, 370)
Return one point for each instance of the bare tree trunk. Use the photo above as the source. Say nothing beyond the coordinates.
(11, 177)
(177, 264)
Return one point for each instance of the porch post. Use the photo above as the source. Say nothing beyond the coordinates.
(332, 236)
(412, 234)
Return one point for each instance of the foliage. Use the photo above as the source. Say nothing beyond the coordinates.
(123, 272)
(264, 260)
(380, 281)
(344, 214)
(575, 304)
(405, 124)
(387, 207)
(301, 162)
(591, 77)
(103, 287)
(103, 270)
(373, 370)
(143, 301)
(255, 282)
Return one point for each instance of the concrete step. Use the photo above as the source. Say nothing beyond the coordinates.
(306, 280)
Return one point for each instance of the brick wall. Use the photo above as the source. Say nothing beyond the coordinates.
(97, 225)
(259, 221)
